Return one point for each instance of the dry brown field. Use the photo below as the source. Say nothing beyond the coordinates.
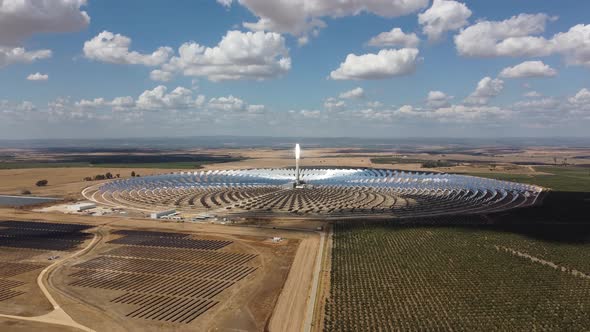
(68, 182)
(62, 182)
(248, 301)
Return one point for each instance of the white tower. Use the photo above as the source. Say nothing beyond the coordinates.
(297, 156)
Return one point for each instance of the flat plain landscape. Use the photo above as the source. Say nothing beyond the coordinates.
(518, 269)
(294, 165)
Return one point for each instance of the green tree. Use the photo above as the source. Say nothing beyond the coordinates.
(41, 183)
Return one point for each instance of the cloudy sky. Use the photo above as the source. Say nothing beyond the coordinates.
(366, 68)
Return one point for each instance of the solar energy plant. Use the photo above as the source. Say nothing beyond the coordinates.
(314, 191)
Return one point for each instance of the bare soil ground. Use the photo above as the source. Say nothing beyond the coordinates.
(62, 182)
(15, 325)
(31, 302)
(22, 257)
(247, 305)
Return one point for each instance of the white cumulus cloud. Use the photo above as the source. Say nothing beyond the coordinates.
(38, 77)
(528, 69)
(159, 98)
(20, 19)
(395, 37)
(536, 105)
(118, 103)
(518, 37)
(574, 45)
(510, 37)
(486, 89)
(302, 17)
(385, 64)
(12, 55)
(239, 55)
(438, 99)
(374, 104)
(160, 75)
(225, 3)
(114, 48)
(122, 103)
(256, 108)
(229, 103)
(463, 113)
(582, 97)
(532, 94)
(334, 104)
(161, 101)
(355, 93)
(443, 16)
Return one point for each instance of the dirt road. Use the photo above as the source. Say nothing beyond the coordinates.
(292, 307)
(58, 316)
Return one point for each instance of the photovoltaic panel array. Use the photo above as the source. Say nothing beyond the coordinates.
(167, 277)
(21, 241)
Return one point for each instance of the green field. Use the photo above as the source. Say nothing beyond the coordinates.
(561, 178)
(565, 178)
(395, 160)
(164, 160)
(390, 276)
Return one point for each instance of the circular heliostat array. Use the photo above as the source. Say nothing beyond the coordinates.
(321, 192)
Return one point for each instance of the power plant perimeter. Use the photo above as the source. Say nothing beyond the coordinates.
(316, 191)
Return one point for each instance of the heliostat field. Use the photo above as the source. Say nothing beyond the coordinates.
(322, 192)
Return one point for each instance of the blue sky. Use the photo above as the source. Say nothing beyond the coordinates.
(75, 68)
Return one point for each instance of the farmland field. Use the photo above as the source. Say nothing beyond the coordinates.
(390, 276)
(165, 165)
(562, 178)
(112, 159)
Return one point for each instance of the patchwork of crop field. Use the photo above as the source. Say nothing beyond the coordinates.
(166, 277)
(325, 192)
(406, 277)
(20, 241)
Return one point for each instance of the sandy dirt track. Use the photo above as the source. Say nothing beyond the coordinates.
(323, 291)
(290, 311)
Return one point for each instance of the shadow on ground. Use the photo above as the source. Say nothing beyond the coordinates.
(562, 217)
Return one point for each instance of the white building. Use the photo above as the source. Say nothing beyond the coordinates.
(160, 214)
(79, 207)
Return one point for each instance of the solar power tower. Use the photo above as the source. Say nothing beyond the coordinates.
(297, 156)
